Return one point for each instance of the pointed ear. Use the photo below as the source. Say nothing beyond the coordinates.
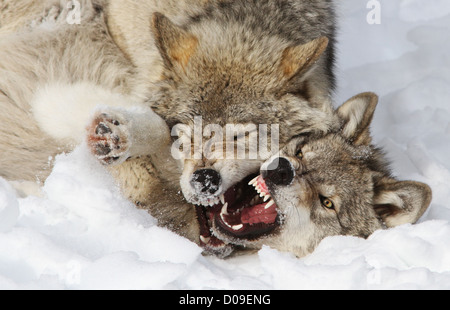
(297, 60)
(399, 203)
(174, 43)
(357, 114)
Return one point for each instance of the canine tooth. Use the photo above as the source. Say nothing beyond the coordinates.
(222, 199)
(237, 227)
(267, 197)
(223, 220)
(205, 240)
(252, 182)
(224, 209)
(269, 204)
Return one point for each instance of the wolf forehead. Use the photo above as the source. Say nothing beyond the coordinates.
(330, 159)
(221, 99)
(222, 102)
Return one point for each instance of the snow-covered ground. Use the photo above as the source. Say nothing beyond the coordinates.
(83, 235)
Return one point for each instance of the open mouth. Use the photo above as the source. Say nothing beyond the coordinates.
(246, 211)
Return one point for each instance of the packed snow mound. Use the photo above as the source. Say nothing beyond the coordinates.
(9, 207)
(80, 233)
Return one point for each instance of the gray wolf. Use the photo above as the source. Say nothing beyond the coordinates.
(235, 62)
(144, 64)
(245, 62)
(319, 186)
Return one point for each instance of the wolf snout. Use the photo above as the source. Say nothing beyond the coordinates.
(279, 172)
(206, 182)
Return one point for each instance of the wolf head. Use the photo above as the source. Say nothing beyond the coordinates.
(244, 63)
(335, 184)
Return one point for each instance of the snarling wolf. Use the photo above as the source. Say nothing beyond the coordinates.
(245, 62)
(152, 65)
(319, 186)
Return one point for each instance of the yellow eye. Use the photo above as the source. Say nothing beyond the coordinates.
(299, 154)
(327, 203)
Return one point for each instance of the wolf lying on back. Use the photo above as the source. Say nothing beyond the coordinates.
(335, 184)
(267, 71)
(317, 186)
(230, 62)
(265, 62)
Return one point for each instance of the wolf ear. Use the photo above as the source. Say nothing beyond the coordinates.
(399, 203)
(357, 114)
(174, 43)
(297, 60)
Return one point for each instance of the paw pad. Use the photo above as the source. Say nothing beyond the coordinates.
(108, 139)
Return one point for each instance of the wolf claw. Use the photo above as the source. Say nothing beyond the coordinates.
(108, 139)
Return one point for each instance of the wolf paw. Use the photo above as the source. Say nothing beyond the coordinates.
(108, 139)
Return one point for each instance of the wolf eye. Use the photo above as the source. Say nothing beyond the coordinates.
(327, 203)
(299, 154)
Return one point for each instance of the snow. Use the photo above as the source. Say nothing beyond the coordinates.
(79, 233)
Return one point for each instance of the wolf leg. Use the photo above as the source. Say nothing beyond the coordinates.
(116, 134)
(26, 152)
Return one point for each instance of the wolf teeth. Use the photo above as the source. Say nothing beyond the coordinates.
(223, 219)
(222, 199)
(226, 223)
(224, 209)
(269, 204)
(253, 182)
(259, 190)
(225, 212)
(205, 240)
(237, 227)
(256, 186)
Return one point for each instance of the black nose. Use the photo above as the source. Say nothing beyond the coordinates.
(206, 181)
(279, 172)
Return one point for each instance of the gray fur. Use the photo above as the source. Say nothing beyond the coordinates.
(48, 54)
(247, 62)
(230, 62)
(349, 171)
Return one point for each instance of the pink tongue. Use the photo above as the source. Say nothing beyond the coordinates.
(258, 214)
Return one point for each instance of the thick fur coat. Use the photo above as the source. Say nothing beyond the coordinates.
(131, 71)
